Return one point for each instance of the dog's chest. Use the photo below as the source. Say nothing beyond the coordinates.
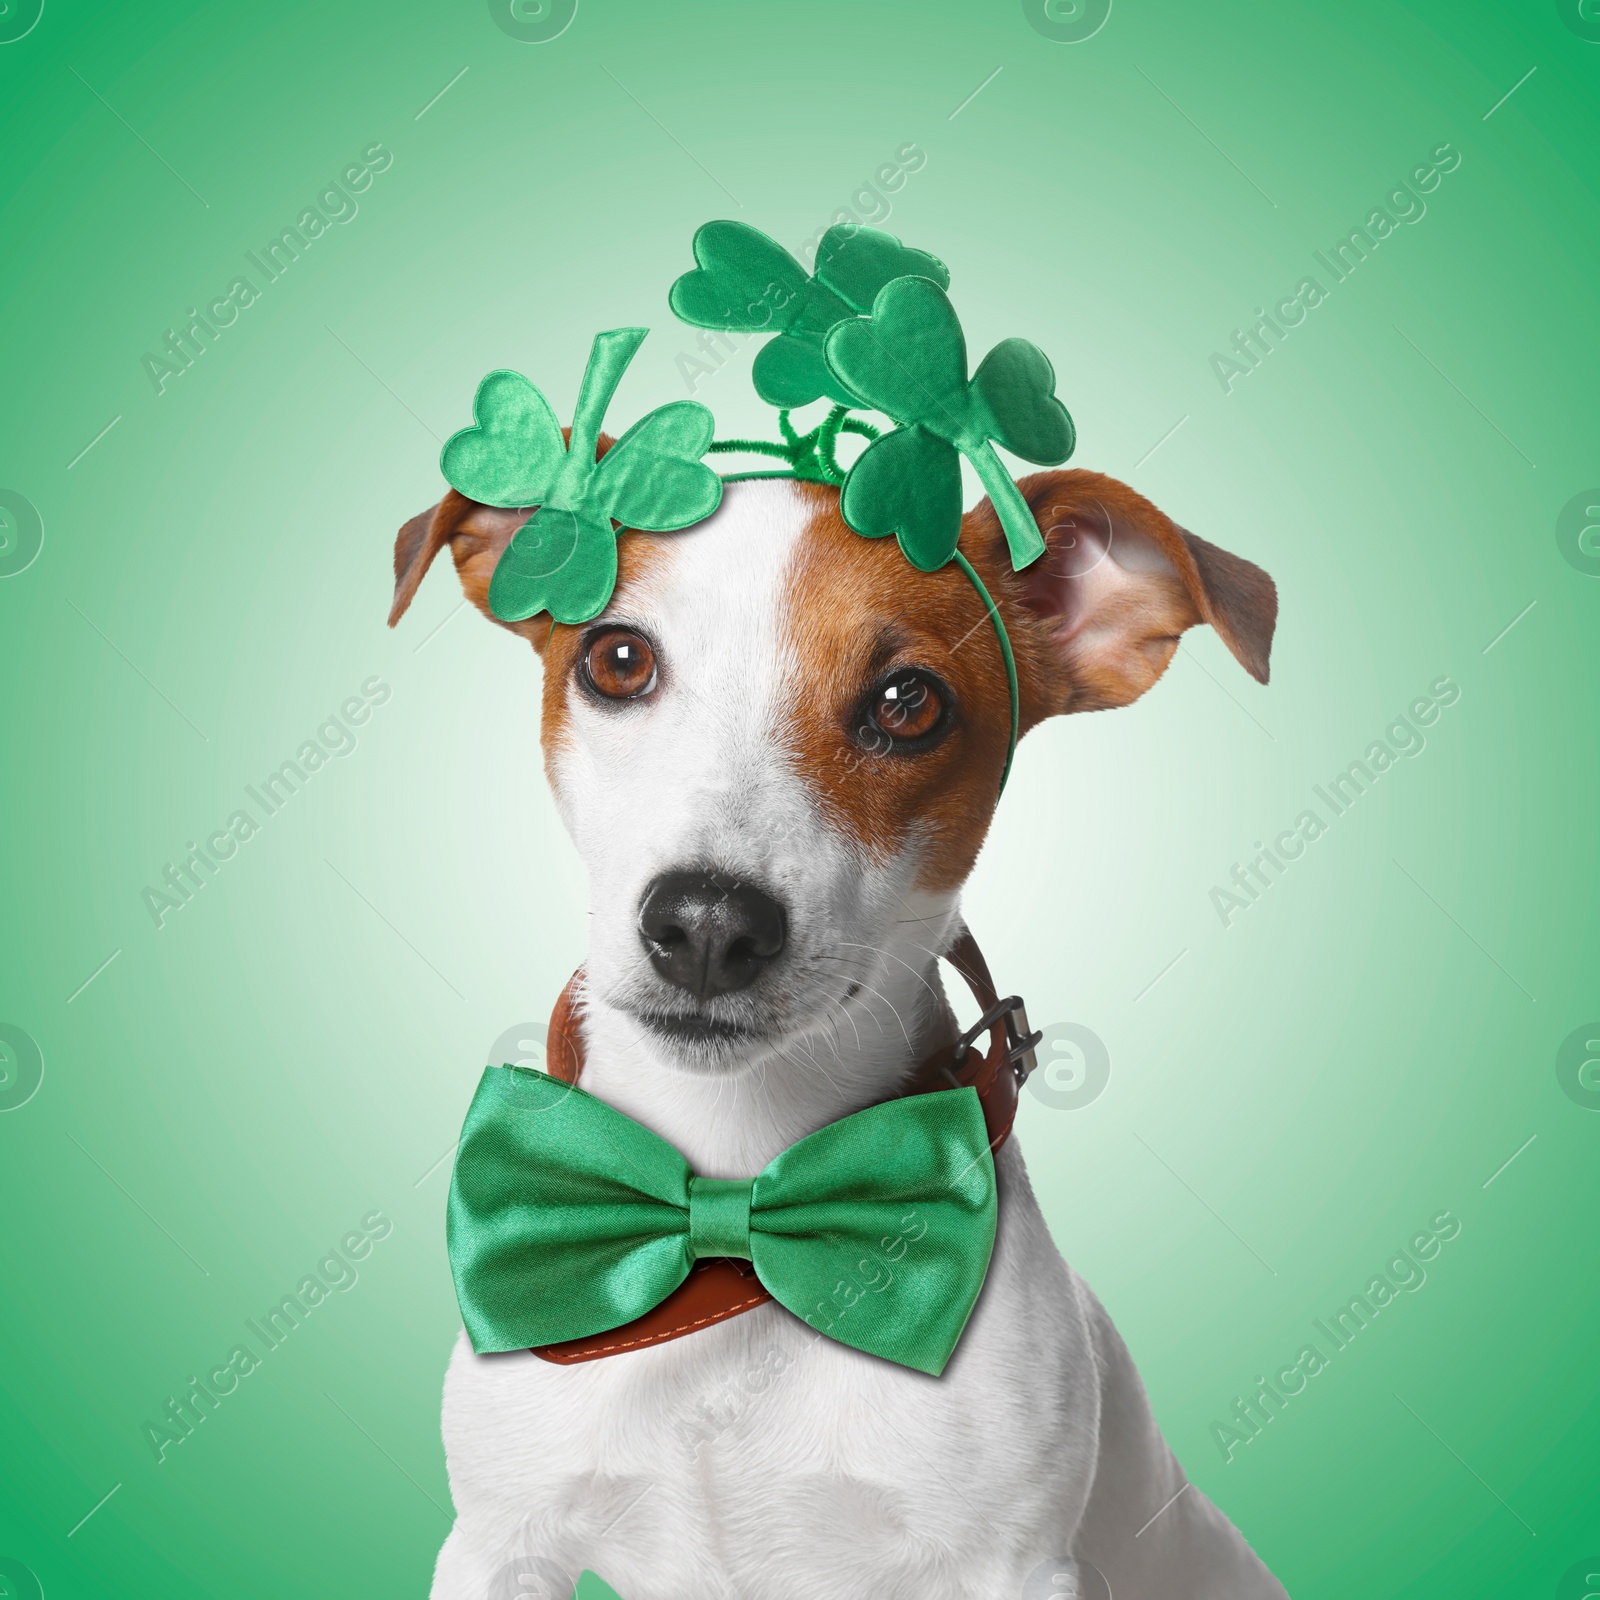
(758, 1458)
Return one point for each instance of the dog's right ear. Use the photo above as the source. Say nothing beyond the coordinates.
(477, 536)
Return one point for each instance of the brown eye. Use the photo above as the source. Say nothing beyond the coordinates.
(620, 664)
(907, 707)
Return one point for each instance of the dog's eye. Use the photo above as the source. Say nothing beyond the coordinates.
(620, 665)
(907, 707)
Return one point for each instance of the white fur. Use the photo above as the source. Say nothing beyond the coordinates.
(757, 1460)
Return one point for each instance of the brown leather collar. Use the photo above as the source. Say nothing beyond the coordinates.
(723, 1288)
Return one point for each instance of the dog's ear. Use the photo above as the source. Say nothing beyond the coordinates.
(477, 536)
(1118, 583)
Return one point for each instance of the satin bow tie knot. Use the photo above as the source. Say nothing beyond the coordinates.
(569, 1219)
(719, 1217)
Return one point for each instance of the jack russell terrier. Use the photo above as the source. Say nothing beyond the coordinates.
(776, 751)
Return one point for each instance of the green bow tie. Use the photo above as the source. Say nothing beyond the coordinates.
(569, 1219)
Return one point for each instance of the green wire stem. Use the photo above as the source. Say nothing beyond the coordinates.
(1009, 659)
(827, 434)
(759, 447)
(862, 426)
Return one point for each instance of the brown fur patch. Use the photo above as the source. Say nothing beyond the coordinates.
(858, 609)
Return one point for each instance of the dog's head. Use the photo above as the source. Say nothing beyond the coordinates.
(779, 747)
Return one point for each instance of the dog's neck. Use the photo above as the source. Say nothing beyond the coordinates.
(732, 1120)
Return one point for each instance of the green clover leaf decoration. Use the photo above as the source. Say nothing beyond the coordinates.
(909, 360)
(563, 559)
(745, 282)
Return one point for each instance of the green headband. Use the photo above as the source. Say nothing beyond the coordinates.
(870, 329)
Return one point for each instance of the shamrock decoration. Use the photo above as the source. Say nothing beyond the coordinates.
(563, 559)
(910, 362)
(747, 283)
(871, 327)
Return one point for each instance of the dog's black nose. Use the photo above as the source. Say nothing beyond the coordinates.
(708, 933)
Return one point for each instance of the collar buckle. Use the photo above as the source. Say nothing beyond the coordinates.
(1021, 1040)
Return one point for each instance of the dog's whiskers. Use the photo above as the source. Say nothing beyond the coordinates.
(844, 1011)
(881, 951)
(892, 1011)
(852, 972)
(926, 951)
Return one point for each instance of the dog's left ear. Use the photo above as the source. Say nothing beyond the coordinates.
(1118, 583)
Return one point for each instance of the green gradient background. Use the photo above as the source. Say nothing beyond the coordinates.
(1365, 1046)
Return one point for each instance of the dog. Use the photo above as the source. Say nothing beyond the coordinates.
(795, 719)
